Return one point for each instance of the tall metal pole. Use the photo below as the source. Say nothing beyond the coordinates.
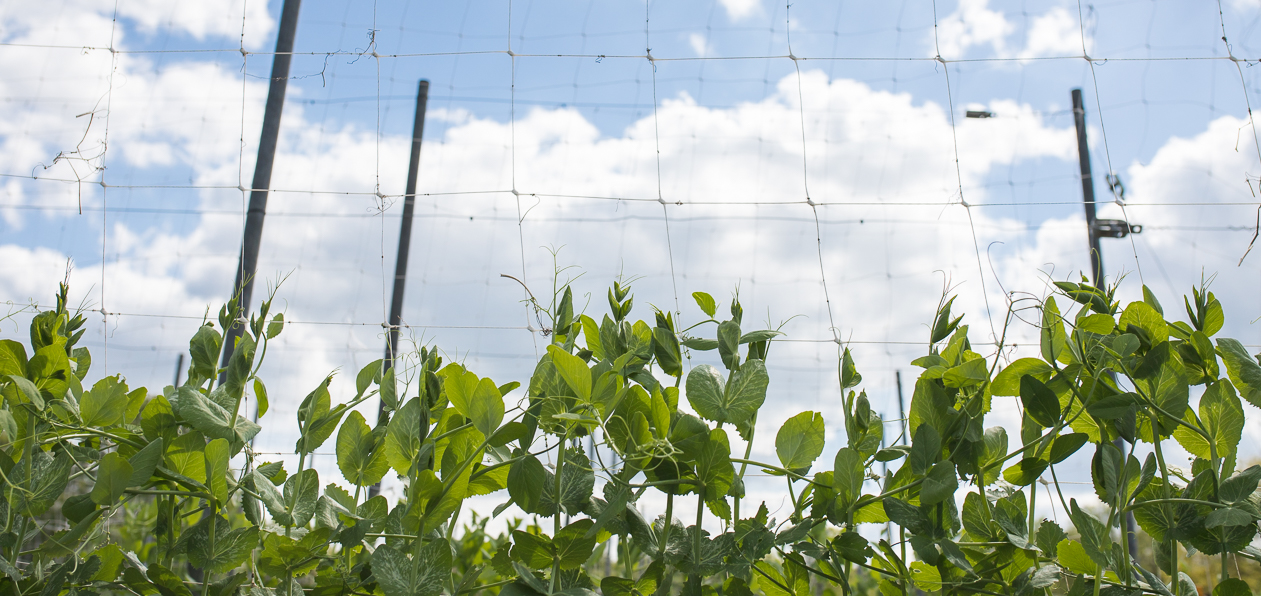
(405, 232)
(1087, 189)
(404, 247)
(1096, 257)
(243, 287)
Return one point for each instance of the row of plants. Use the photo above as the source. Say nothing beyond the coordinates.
(162, 493)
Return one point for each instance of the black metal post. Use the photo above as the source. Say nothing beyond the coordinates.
(404, 247)
(1096, 256)
(243, 286)
(405, 231)
(1087, 189)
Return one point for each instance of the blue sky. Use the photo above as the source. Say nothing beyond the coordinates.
(722, 126)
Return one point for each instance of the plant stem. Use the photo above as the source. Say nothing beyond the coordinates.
(744, 465)
(560, 461)
(696, 537)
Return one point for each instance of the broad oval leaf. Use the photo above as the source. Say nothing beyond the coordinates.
(800, 440)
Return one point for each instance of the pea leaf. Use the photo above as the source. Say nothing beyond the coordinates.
(573, 546)
(1040, 402)
(706, 302)
(573, 370)
(112, 476)
(1242, 368)
(423, 574)
(940, 484)
(217, 469)
(359, 454)
(301, 492)
(105, 404)
(800, 440)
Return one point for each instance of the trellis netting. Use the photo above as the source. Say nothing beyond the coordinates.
(815, 157)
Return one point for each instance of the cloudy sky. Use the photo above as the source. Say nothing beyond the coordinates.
(813, 156)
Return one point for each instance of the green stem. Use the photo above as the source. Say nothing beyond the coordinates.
(560, 462)
(665, 532)
(696, 536)
(744, 465)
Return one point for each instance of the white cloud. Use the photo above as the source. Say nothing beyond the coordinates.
(700, 45)
(235, 20)
(973, 24)
(741, 9)
(1054, 33)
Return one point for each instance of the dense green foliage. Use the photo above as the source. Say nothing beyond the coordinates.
(161, 493)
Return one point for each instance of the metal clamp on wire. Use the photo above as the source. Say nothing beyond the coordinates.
(1116, 228)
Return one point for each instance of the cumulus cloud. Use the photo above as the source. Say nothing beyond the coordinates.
(973, 26)
(741, 9)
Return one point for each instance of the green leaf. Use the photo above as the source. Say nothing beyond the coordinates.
(745, 393)
(48, 478)
(1072, 556)
(1228, 516)
(666, 348)
(1143, 316)
(527, 479)
(758, 336)
(729, 344)
(969, 374)
(105, 404)
(1066, 445)
(925, 576)
(847, 474)
(359, 454)
(1232, 587)
(1026, 471)
(167, 583)
(276, 325)
(301, 492)
(260, 394)
(700, 344)
(1007, 381)
(217, 457)
(706, 302)
(28, 390)
(204, 348)
(1239, 487)
(239, 366)
(705, 390)
(849, 372)
(800, 440)
(715, 472)
(1053, 338)
(486, 410)
(1049, 536)
(573, 370)
(1222, 416)
(1242, 368)
(1113, 407)
(1040, 402)
(421, 575)
(229, 550)
(940, 484)
(925, 449)
(144, 462)
(573, 546)
(535, 551)
(209, 417)
(403, 436)
(112, 476)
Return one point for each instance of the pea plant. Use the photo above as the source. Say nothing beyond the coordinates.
(613, 412)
